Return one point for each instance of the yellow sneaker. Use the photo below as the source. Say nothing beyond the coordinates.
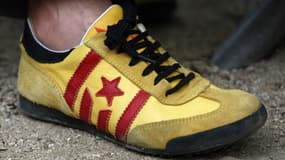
(120, 84)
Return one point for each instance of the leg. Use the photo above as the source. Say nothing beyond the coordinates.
(66, 20)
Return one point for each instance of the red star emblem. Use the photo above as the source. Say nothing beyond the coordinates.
(110, 90)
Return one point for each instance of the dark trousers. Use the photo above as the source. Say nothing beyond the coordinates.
(14, 8)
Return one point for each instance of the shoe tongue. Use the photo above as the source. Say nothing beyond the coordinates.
(110, 17)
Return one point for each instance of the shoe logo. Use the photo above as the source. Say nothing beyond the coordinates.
(99, 30)
(110, 90)
(86, 107)
(80, 75)
(130, 114)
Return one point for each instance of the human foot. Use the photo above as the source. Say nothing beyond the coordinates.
(60, 24)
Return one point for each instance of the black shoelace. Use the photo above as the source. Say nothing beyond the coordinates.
(117, 36)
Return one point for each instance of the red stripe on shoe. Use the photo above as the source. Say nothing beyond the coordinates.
(79, 77)
(86, 107)
(130, 114)
(103, 120)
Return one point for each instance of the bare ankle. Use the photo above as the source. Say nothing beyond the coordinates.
(60, 24)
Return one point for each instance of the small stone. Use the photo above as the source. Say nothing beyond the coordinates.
(2, 146)
(250, 69)
(2, 149)
(229, 158)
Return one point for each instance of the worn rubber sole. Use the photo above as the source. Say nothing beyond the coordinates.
(197, 143)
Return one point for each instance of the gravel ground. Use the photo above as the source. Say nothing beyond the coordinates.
(196, 30)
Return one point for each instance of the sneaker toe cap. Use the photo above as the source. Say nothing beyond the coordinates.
(235, 106)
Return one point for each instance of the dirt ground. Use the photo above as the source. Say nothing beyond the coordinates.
(197, 28)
